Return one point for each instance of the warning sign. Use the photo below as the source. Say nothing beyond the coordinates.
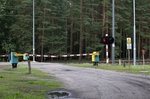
(128, 40)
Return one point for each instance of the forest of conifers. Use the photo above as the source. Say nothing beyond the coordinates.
(72, 26)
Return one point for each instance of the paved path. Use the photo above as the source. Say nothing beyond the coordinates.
(88, 83)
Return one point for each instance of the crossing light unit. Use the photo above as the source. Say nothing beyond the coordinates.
(107, 40)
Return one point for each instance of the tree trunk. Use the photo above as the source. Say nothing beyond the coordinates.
(139, 42)
(121, 43)
(43, 32)
(106, 18)
(92, 16)
(71, 34)
(147, 40)
(103, 20)
(81, 35)
(142, 37)
(103, 25)
(66, 35)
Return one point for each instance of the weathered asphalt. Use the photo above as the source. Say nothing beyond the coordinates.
(88, 83)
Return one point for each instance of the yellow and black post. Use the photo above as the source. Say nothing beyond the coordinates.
(95, 58)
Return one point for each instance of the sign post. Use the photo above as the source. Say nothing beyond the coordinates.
(129, 47)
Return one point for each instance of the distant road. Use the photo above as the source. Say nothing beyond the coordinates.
(88, 83)
(5, 63)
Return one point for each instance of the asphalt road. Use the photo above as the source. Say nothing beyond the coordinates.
(88, 83)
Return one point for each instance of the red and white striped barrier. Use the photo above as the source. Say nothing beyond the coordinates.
(52, 56)
(3, 55)
(31, 55)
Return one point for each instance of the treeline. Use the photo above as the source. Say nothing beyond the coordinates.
(72, 26)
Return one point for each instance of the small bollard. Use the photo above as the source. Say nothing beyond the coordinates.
(120, 62)
(29, 66)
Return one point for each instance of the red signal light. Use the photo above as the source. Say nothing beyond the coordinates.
(104, 40)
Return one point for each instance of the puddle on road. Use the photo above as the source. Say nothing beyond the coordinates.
(61, 94)
(68, 70)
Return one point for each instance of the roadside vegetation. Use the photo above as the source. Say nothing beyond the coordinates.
(18, 84)
(72, 26)
(139, 69)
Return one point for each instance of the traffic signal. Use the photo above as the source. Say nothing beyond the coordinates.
(111, 40)
(107, 40)
(104, 40)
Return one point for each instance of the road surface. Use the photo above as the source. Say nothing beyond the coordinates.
(88, 83)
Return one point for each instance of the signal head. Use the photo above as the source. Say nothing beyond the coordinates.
(107, 40)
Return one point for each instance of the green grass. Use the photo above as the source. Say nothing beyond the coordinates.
(18, 84)
(23, 70)
(139, 69)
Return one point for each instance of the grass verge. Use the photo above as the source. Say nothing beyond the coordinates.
(18, 84)
(139, 69)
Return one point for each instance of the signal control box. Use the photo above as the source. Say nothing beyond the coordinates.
(15, 57)
(95, 58)
(14, 60)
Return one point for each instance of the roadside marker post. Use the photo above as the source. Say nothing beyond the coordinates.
(143, 52)
(29, 67)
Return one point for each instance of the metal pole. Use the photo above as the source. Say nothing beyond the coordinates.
(113, 32)
(107, 56)
(33, 31)
(134, 49)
